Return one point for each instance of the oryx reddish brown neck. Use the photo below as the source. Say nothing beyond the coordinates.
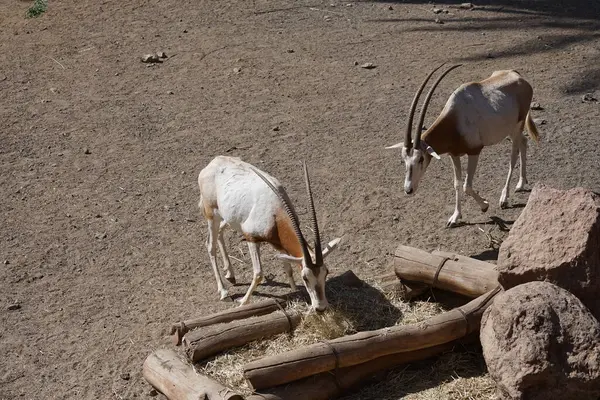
(282, 236)
(442, 127)
(284, 226)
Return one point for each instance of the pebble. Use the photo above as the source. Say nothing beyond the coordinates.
(150, 58)
(86, 151)
(439, 21)
(14, 307)
(237, 70)
(125, 376)
(536, 106)
(589, 98)
(368, 65)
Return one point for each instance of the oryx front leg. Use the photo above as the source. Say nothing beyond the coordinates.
(468, 188)
(290, 274)
(211, 246)
(513, 160)
(455, 218)
(229, 274)
(254, 250)
(523, 165)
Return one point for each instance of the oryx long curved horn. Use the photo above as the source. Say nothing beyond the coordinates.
(289, 209)
(313, 218)
(413, 107)
(426, 104)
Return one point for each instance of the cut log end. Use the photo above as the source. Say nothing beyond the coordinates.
(177, 333)
(177, 380)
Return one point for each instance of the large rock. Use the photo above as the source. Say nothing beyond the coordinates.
(556, 239)
(540, 343)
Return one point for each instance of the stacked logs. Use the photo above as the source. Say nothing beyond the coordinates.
(208, 335)
(325, 369)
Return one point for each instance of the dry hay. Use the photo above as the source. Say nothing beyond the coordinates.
(454, 375)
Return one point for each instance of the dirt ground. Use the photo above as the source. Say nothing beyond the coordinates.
(102, 244)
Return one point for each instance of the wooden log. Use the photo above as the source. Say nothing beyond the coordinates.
(464, 259)
(323, 386)
(210, 340)
(179, 329)
(470, 278)
(366, 346)
(178, 380)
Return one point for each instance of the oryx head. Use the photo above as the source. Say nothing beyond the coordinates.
(314, 272)
(417, 155)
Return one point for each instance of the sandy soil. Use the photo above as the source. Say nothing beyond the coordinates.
(102, 245)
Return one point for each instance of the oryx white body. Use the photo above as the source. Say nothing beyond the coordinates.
(232, 194)
(485, 113)
(477, 114)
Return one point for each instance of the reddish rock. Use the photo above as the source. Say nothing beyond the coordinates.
(540, 342)
(556, 239)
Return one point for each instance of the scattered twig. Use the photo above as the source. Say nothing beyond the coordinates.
(493, 243)
(237, 259)
(63, 67)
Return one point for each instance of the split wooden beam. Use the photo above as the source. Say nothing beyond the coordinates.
(446, 271)
(178, 380)
(328, 385)
(367, 346)
(210, 340)
(178, 330)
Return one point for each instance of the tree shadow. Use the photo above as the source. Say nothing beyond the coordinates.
(580, 19)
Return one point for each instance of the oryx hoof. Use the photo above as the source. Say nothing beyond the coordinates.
(454, 220)
(242, 301)
(504, 205)
(485, 207)
(225, 296)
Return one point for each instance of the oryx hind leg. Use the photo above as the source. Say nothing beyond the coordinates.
(522, 184)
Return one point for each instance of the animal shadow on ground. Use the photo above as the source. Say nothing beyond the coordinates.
(366, 306)
(501, 223)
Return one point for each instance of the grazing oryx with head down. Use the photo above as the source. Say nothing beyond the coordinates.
(476, 115)
(254, 203)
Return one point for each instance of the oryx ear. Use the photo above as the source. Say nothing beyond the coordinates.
(430, 150)
(287, 257)
(330, 246)
(396, 146)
